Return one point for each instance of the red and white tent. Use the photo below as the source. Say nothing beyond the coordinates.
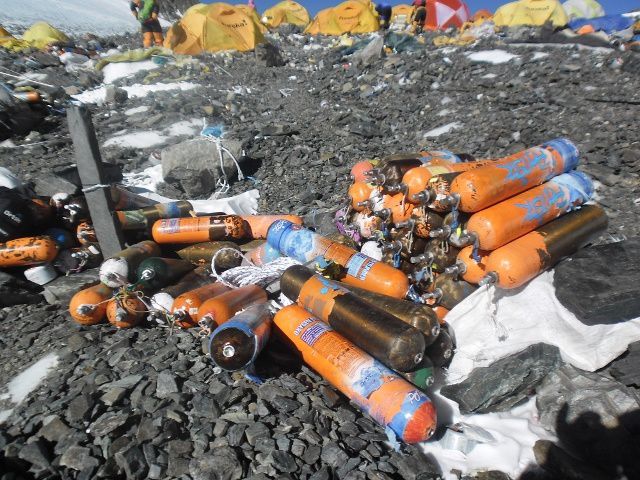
(442, 14)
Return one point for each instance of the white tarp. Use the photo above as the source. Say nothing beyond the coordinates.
(494, 323)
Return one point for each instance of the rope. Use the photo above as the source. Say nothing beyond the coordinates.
(92, 188)
(251, 275)
(223, 181)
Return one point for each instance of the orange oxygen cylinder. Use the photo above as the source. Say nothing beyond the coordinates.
(259, 224)
(185, 306)
(467, 267)
(417, 179)
(162, 302)
(86, 234)
(501, 223)
(27, 251)
(215, 311)
(126, 312)
(120, 269)
(441, 313)
(389, 399)
(28, 96)
(362, 271)
(199, 229)
(360, 194)
(89, 306)
(504, 178)
(143, 218)
(395, 208)
(359, 170)
(423, 222)
(519, 261)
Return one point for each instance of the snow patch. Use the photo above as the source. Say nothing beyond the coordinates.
(494, 57)
(143, 139)
(133, 111)
(539, 55)
(489, 75)
(75, 17)
(186, 127)
(135, 91)
(26, 382)
(115, 71)
(511, 451)
(436, 132)
(149, 178)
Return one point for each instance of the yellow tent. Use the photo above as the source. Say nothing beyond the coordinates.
(251, 12)
(5, 37)
(286, 12)
(41, 34)
(401, 10)
(348, 17)
(530, 12)
(213, 28)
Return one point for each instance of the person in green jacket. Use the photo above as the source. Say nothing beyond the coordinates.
(146, 11)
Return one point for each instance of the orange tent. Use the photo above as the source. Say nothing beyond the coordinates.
(482, 14)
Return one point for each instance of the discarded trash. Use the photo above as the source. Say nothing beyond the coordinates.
(119, 270)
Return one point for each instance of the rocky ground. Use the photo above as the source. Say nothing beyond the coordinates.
(145, 403)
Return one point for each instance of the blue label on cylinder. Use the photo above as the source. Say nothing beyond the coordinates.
(411, 403)
(521, 167)
(276, 231)
(567, 150)
(371, 379)
(172, 209)
(445, 155)
(359, 266)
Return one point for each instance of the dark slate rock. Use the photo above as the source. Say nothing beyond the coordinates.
(36, 453)
(55, 430)
(107, 423)
(60, 290)
(166, 384)
(606, 277)
(221, 464)
(626, 369)
(506, 382)
(132, 461)
(78, 458)
(284, 462)
(323, 473)
(333, 455)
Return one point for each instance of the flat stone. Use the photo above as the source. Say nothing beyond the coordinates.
(36, 454)
(504, 383)
(54, 430)
(113, 395)
(132, 461)
(220, 464)
(284, 462)
(107, 423)
(78, 458)
(166, 384)
(333, 455)
(60, 290)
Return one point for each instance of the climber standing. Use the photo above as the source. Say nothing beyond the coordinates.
(146, 11)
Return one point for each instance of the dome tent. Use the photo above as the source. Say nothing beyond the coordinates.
(213, 28)
(442, 14)
(41, 34)
(582, 9)
(530, 12)
(251, 12)
(284, 12)
(348, 17)
(402, 10)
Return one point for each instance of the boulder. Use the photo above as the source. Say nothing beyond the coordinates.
(268, 55)
(194, 166)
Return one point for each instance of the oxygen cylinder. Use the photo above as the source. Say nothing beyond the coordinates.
(155, 272)
(391, 169)
(40, 212)
(505, 221)
(440, 352)
(64, 238)
(519, 261)
(126, 312)
(163, 300)
(86, 233)
(448, 292)
(236, 344)
(142, 218)
(400, 211)
(389, 399)
(467, 267)
(366, 224)
(217, 310)
(185, 306)
(417, 179)
(203, 253)
(417, 315)
(89, 306)
(442, 255)
(360, 193)
(387, 338)
(59, 200)
(259, 224)
(437, 195)
(123, 199)
(74, 212)
(199, 229)
(31, 96)
(119, 270)
(422, 376)
(441, 313)
(424, 222)
(27, 251)
(359, 170)
(480, 188)
(262, 254)
(305, 246)
(75, 260)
